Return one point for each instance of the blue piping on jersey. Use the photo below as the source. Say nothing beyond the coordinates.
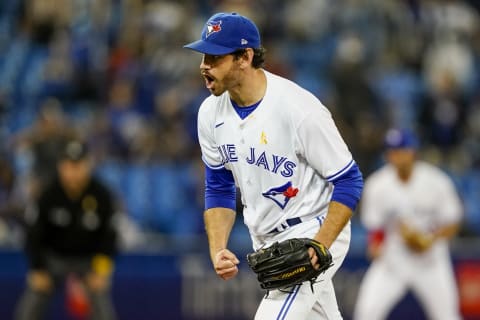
(342, 171)
(348, 187)
(220, 191)
(288, 303)
(220, 166)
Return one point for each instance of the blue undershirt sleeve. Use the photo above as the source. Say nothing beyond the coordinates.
(220, 189)
(348, 187)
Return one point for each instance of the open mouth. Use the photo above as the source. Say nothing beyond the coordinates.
(208, 80)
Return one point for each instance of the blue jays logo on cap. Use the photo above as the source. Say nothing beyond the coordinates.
(225, 33)
(213, 26)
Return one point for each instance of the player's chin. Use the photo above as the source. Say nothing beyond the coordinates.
(216, 91)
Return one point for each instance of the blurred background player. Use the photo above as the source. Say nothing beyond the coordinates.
(411, 210)
(70, 235)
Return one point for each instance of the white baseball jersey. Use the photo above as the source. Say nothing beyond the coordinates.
(427, 201)
(282, 155)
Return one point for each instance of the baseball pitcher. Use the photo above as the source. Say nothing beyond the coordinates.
(299, 184)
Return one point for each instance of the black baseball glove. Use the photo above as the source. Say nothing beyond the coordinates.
(287, 263)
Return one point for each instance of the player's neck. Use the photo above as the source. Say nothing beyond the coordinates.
(251, 89)
(404, 174)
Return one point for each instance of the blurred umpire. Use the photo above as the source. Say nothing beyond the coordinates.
(71, 235)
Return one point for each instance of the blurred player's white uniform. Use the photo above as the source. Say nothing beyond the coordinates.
(427, 201)
(283, 168)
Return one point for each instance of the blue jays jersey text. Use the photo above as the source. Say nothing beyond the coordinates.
(270, 162)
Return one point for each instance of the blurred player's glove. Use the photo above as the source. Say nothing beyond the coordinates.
(287, 263)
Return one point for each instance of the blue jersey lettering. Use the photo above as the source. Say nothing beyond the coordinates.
(262, 161)
(289, 166)
(228, 153)
(252, 156)
(277, 163)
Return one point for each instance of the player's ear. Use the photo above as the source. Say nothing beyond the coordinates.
(246, 58)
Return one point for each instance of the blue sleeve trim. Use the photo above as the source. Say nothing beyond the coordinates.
(220, 189)
(348, 187)
(341, 171)
(220, 166)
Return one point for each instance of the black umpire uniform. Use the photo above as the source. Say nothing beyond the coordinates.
(71, 231)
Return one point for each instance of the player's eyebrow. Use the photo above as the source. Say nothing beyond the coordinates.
(212, 58)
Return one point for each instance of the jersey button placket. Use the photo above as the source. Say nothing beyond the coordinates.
(241, 128)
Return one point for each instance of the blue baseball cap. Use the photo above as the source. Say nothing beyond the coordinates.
(400, 139)
(225, 33)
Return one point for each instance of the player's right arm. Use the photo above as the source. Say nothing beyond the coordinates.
(219, 216)
(220, 197)
(218, 224)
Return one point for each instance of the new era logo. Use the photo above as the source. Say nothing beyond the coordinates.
(243, 42)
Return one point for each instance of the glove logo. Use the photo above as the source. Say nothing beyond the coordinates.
(292, 273)
(281, 195)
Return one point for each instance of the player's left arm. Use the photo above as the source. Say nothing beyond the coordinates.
(450, 210)
(447, 232)
(320, 142)
(346, 195)
(337, 217)
(103, 263)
